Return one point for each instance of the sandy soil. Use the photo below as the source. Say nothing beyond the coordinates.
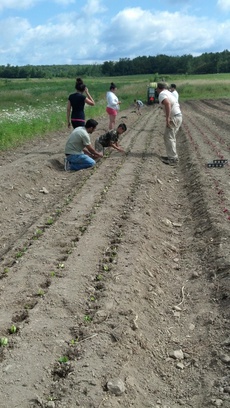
(115, 280)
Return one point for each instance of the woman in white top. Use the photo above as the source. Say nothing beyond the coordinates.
(113, 105)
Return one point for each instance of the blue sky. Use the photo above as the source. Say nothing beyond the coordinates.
(47, 32)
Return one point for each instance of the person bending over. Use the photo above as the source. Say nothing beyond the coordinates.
(110, 139)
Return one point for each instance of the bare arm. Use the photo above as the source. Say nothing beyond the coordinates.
(167, 106)
(89, 100)
(93, 152)
(68, 110)
(115, 146)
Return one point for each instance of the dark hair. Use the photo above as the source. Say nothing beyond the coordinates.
(123, 126)
(80, 86)
(112, 86)
(91, 123)
(173, 86)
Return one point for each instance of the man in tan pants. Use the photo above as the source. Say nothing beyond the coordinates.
(173, 118)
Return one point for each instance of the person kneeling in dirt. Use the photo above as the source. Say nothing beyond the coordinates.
(110, 139)
(78, 150)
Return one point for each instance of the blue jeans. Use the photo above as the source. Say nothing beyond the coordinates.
(80, 161)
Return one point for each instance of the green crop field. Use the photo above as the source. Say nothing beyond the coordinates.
(31, 108)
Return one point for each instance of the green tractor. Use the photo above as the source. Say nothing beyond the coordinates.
(152, 95)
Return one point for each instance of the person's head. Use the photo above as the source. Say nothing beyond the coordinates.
(121, 128)
(112, 87)
(91, 125)
(172, 87)
(80, 86)
(161, 86)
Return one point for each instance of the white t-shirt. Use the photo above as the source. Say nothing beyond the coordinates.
(175, 107)
(112, 100)
(175, 94)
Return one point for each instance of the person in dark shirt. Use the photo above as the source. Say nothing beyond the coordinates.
(110, 139)
(76, 104)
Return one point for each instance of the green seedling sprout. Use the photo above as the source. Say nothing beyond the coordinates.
(41, 292)
(12, 329)
(52, 273)
(3, 341)
(87, 318)
(61, 266)
(50, 221)
(63, 359)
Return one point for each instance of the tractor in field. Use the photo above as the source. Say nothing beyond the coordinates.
(152, 95)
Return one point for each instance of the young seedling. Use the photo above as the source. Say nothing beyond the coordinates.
(61, 266)
(37, 234)
(41, 292)
(50, 221)
(72, 342)
(20, 253)
(12, 329)
(63, 359)
(52, 273)
(3, 341)
(87, 318)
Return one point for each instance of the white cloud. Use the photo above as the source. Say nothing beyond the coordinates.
(93, 7)
(25, 4)
(140, 32)
(224, 4)
(15, 4)
(84, 37)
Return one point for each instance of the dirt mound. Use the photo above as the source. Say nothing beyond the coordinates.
(115, 280)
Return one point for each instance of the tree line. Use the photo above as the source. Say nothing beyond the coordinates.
(207, 63)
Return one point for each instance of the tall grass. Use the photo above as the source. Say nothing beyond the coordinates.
(32, 108)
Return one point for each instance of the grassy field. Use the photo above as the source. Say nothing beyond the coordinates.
(32, 108)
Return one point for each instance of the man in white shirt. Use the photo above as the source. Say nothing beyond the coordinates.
(173, 118)
(174, 91)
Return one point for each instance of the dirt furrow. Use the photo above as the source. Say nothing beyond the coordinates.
(129, 282)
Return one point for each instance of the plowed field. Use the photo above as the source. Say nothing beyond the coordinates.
(116, 279)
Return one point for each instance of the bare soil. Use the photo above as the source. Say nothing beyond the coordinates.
(116, 279)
